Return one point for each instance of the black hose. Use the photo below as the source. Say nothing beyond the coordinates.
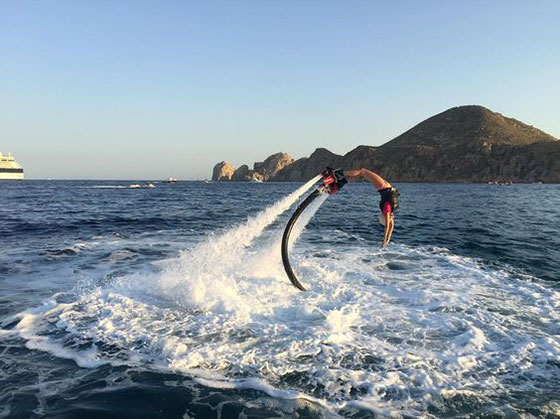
(286, 237)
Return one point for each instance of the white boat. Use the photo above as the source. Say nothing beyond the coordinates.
(171, 180)
(10, 169)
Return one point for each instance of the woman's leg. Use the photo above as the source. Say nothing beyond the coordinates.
(353, 174)
(377, 181)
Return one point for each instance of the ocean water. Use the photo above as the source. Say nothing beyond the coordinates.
(172, 302)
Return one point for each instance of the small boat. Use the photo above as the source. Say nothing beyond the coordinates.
(499, 183)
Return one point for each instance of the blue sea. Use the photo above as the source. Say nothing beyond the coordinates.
(171, 301)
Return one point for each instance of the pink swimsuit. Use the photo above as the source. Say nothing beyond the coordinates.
(387, 209)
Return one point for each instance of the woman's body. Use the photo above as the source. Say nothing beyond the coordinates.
(388, 198)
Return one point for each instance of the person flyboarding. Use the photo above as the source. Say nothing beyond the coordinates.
(389, 198)
(332, 181)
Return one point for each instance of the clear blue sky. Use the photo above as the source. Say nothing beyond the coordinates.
(151, 89)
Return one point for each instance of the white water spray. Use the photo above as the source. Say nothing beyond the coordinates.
(305, 217)
(201, 278)
(267, 262)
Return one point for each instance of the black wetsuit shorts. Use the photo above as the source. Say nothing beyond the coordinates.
(390, 195)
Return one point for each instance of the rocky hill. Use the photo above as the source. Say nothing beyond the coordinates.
(469, 143)
(462, 144)
(262, 171)
(272, 165)
(223, 171)
(308, 167)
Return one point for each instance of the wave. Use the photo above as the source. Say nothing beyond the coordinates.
(65, 251)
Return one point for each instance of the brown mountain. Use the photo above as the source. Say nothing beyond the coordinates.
(262, 171)
(223, 171)
(272, 165)
(308, 167)
(465, 143)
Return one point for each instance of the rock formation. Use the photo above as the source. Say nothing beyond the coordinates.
(262, 171)
(308, 167)
(462, 144)
(242, 174)
(272, 165)
(223, 171)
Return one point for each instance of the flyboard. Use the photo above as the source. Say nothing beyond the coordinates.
(332, 181)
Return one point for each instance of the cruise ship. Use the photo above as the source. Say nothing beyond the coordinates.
(9, 168)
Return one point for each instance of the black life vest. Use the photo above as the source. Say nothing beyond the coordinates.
(390, 195)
